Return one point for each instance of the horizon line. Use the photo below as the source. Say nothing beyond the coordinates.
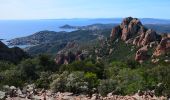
(86, 18)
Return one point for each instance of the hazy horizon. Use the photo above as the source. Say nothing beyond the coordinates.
(64, 9)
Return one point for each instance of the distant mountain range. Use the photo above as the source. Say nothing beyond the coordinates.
(119, 20)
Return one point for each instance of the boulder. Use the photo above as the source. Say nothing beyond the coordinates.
(2, 95)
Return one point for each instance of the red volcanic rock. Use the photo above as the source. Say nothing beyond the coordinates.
(136, 40)
(66, 58)
(133, 32)
(126, 21)
(150, 36)
(134, 26)
(141, 54)
(163, 47)
(128, 28)
(115, 32)
(125, 33)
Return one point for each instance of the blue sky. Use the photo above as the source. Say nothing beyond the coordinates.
(54, 9)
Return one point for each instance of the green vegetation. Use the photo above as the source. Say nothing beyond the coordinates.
(115, 70)
(87, 76)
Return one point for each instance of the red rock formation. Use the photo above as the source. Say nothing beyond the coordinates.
(163, 47)
(141, 54)
(115, 32)
(66, 58)
(133, 32)
(150, 36)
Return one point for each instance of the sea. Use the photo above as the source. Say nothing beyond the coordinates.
(10, 29)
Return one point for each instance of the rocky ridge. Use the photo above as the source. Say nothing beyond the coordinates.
(131, 31)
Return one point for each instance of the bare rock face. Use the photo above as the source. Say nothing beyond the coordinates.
(66, 58)
(130, 26)
(116, 32)
(141, 54)
(163, 47)
(149, 37)
(132, 29)
(133, 32)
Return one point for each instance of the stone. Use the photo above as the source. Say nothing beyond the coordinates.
(13, 88)
(2, 95)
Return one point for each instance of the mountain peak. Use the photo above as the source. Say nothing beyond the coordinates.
(131, 31)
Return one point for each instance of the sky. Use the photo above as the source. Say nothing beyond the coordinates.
(57, 9)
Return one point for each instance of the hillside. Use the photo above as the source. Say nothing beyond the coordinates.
(14, 55)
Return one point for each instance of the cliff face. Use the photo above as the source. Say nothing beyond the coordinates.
(66, 58)
(131, 31)
(11, 54)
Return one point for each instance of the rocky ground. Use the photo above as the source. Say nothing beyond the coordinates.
(29, 93)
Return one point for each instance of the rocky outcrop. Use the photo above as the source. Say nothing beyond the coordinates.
(142, 54)
(163, 47)
(131, 31)
(66, 58)
(14, 54)
(116, 32)
(130, 26)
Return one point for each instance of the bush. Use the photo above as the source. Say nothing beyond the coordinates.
(28, 69)
(46, 63)
(5, 65)
(11, 78)
(113, 69)
(76, 83)
(59, 83)
(92, 81)
(43, 81)
(130, 81)
(161, 74)
(86, 66)
(107, 86)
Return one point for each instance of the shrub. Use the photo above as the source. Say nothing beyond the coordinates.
(130, 81)
(161, 74)
(107, 86)
(28, 69)
(5, 65)
(46, 63)
(113, 69)
(59, 84)
(92, 81)
(76, 82)
(43, 81)
(11, 78)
